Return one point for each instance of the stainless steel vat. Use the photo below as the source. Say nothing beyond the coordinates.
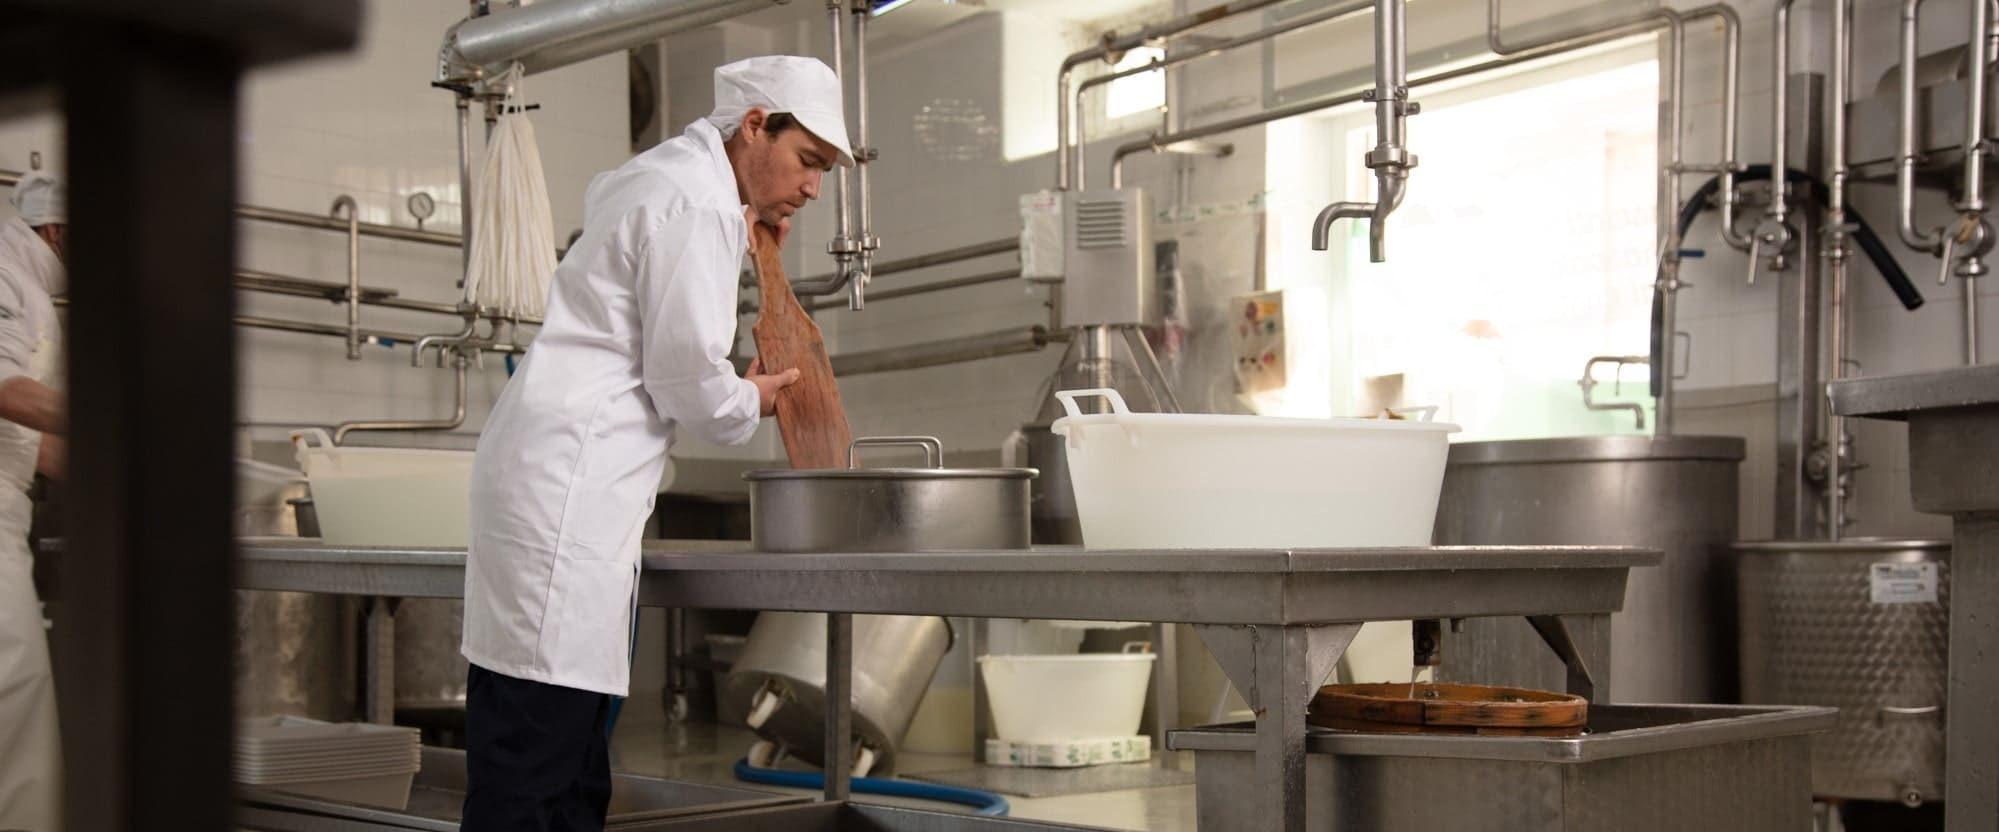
(889, 509)
(1641, 768)
(1675, 639)
(430, 672)
(1815, 631)
(782, 670)
(295, 651)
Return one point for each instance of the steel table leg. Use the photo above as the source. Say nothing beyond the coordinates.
(1278, 669)
(839, 704)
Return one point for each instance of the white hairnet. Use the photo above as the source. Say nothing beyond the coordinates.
(40, 199)
(804, 87)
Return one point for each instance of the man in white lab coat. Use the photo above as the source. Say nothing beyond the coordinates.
(641, 318)
(31, 419)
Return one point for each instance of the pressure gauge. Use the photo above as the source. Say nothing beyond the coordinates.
(421, 206)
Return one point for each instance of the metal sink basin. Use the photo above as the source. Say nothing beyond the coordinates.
(1715, 768)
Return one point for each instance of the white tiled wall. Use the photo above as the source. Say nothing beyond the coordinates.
(1734, 325)
(368, 124)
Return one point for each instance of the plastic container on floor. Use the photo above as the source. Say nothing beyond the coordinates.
(1057, 698)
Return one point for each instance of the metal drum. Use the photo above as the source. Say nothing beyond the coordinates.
(1864, 626)
(296, 652)
(430, 672)
(782, 670)
(1675, 639)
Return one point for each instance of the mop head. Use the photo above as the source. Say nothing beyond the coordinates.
(513, 238)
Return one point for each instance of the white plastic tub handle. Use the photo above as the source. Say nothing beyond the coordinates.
(1069, 397)
(303, 441)
(933, 450)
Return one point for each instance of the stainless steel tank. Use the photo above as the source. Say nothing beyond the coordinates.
(430, 672)
(1863, 626)
(296, 652)
(1675, 639)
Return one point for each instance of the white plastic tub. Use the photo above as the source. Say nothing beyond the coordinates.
(1183, 481)
(1056, 698)
(387, 496)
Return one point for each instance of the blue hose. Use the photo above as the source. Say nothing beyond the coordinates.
(983, 803)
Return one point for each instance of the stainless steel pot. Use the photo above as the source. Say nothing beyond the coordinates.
(858, 509)
(1675, 639)
(782, 671)
(1863, 626)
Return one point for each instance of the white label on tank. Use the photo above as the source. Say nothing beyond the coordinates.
(1902, 583)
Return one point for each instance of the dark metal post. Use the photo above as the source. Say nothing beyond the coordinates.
(146, 650)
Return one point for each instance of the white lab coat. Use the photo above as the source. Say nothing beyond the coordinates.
(641, 317)
(30, 749)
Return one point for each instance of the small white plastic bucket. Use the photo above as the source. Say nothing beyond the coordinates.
(1076, 697)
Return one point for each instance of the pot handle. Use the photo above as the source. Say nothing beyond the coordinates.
(932, 449)
(1069, 397)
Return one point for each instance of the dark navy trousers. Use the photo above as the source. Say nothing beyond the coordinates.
(536, 756)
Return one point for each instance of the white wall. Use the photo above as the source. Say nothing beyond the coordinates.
(368, 124)
(1734, 326)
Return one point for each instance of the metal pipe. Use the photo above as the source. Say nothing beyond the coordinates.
(1835, 251)
(864, 156)
(1589, 383)
(1669, 282)
(456, 419)
(1389, 160)
(353, 295)
(926, 288)
(1972, 200)
(1907, 157)
(1731, 162)
(949, 351)
(843, 246)
(444, 341)
(974, 251)
(477, 46)
(1067, 146)
(1780, 184)
(555, 56)
(277, 284)
(1970, 320)
(304, 220)
(464, 104)
(1526, 55)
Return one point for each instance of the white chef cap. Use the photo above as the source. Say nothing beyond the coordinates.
(40, 199)
(804, 87)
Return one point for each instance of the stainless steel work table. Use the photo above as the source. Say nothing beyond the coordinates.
(1953, 418)
(1276, 620)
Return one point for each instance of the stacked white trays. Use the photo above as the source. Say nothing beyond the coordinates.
(354, 762)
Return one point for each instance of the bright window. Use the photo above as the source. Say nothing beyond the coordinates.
(1139, 93)
(1523, 247)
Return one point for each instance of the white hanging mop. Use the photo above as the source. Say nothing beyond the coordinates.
(513, 238)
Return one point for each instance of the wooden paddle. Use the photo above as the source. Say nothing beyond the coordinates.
(809, 413)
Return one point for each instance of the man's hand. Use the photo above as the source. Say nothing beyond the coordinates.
(768, 385)
(779, 231)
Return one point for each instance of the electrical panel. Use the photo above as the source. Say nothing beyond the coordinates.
(1257, 334)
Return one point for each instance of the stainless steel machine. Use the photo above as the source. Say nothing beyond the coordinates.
(1863, 626)
(1675, 639)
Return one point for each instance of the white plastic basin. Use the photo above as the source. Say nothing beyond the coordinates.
(387, 496)
(1184, 481)
(1057, 698)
